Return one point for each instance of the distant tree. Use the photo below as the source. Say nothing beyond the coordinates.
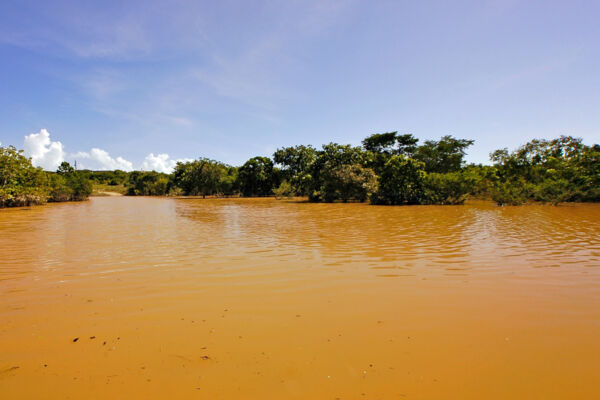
(562, 169)
(445, 155)
(512, 192)
(449, 188)
(283, 190)
(81, 186)
(401, 182)
(199, 177)
(256, 177)
(229, 184)
(142, 183)
(65, 169)
(379, 147)
(348, 182)
(407, 145)
(295, 166)
(331, 157)
(381, 143)
(69, 184)
(480, 179)
(113, 178)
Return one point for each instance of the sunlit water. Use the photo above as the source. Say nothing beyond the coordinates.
(260, 299)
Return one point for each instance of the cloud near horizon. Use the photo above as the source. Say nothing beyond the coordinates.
(49, 154)
(161, 163)
(43, 152)
(98, 159)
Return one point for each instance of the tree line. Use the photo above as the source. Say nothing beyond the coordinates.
(21, 184)
(387, 169)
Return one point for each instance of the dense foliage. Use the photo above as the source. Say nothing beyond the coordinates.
(147, 184)
(205, 177)
(257, 177)
(21, 184)
(388, 169)
(295, 165)
(563, 169)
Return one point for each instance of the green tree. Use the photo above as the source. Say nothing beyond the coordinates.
(65, 169)
(142, 183)
(331, 157)
(348, 182)
(229, 184)
(381, 143)
(199, 177)
(407, 145)
(69, 185)
(296, 163)
(557, 170)
(444, 155)
(21, 183)
(450, 188)
(379, 147)
(285, 189)
(401, 182)
(256, 177)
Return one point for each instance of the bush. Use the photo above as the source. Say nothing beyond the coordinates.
(512, 193)
(21, 184)
(348, 182)
(285, 189)
(401, 182)
(148, 184)
(552, 191)
(451, 188)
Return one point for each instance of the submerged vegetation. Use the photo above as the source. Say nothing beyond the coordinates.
(388, 169)
(554, 171)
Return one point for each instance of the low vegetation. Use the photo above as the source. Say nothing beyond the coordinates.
(21, 184)
(388, 169)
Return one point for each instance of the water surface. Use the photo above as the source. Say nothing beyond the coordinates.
(258, 298)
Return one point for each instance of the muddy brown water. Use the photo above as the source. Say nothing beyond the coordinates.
(260, 299)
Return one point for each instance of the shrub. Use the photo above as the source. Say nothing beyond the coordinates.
(285, 189)
(451, 188)
(401, 182)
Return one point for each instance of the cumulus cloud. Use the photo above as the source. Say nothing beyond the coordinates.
(43, 152)
(160, 163)
(98, 159)
(48, 154)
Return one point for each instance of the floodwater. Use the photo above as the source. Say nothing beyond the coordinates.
(266, 299)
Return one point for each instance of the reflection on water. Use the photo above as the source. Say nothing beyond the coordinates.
(289, 299)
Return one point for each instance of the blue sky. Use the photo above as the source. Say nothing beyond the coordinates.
(233, 79)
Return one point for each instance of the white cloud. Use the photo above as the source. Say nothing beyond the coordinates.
(98, 159)
(161, 163)
(48, 154)
(43, 152)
